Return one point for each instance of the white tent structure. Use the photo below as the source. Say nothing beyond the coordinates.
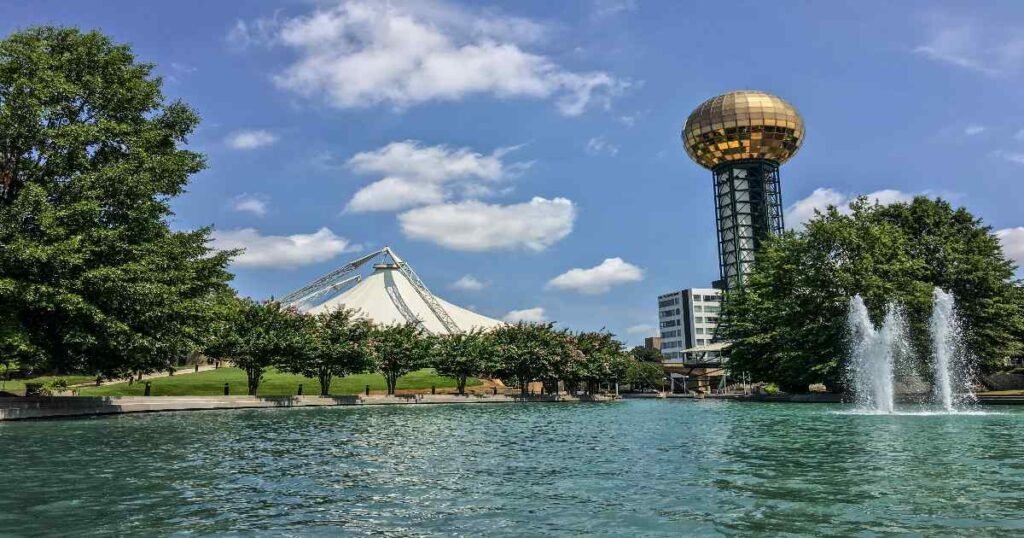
(392, 294)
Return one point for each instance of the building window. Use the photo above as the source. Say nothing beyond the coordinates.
(698, 309)
(712, 319)
(710, 299)
(698, 319)
(700, 330)
(711, 309)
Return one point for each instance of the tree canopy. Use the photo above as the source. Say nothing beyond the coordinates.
(788, 322)
(332, 344)
(92, 278)
(258, 335)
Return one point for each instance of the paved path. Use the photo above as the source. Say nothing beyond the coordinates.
(157, 375)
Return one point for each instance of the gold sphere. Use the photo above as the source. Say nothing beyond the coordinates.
(741, 125)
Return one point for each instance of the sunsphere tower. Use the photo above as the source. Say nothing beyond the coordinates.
(743, 137)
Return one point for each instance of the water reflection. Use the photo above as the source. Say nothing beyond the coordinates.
(629, 468)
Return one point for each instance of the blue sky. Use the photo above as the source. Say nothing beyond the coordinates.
(516, 142)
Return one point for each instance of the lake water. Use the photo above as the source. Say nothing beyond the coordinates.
(650, 468)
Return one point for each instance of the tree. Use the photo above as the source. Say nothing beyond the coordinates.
(645, 375)
(333, 344)
(604, 359)
(258, 335)
(527, 352)
(398, 350)
(647, 354)
(92, 279)
(462, 355)
(788, 322)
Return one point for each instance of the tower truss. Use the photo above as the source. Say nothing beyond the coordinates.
(748, 209)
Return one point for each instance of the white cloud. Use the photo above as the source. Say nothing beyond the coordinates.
(972, 130)
(476, 226)
(392, 194)
(1012, 156)
(599, 145)
(281, 250)
(643, 328)
(257, 204)
(602, 9)
(529, 315)
(250, 139)
(599, 279)
(364, 53)
(1012, 240)
(1019, 136)
(803, 210)
(985, 48)
(259, 32)
(417, 175)
(468, 283)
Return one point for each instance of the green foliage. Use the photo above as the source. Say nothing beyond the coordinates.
(92, 279)
(531, 351)
(399, 349)
(647, 354)
(603, 359)
(274, 383)
(56, 386)
(770, 388)
(645, 375)
(255, 336)
(787, 323)
(463, 355)
(333, 344)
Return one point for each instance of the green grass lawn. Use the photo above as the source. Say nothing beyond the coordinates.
(17, 386)
(275, 383)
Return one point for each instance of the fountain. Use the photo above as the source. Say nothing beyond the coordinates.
(949, 365)
(876, 353)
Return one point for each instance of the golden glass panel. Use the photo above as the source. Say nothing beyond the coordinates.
(743, 125)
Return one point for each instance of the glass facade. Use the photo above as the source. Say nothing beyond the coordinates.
(742, 126)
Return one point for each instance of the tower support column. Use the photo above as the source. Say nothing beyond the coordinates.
(748, 209)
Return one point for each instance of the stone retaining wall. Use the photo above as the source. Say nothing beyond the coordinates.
(70, 406)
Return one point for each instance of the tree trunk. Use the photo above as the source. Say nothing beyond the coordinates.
(524, 387)
(391, 380)
(325, 383)
(461, 381)
(253, 376)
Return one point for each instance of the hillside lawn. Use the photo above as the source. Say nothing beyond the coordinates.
(17, 386)
(275, 383)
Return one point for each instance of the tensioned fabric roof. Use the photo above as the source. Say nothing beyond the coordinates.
(381, 296)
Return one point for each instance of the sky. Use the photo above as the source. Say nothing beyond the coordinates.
(524, 157)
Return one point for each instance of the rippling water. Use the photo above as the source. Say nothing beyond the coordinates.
(625, 469)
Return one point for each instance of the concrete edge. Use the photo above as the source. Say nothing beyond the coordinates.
(77, 406)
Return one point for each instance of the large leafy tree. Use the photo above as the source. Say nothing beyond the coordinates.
(647, 354)
(398, 350)
(787, 323)
(644, 375)
(333, 344)
(604, 359)
(528, 352)
(258, 335)
(91, 276)
(462, 355)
